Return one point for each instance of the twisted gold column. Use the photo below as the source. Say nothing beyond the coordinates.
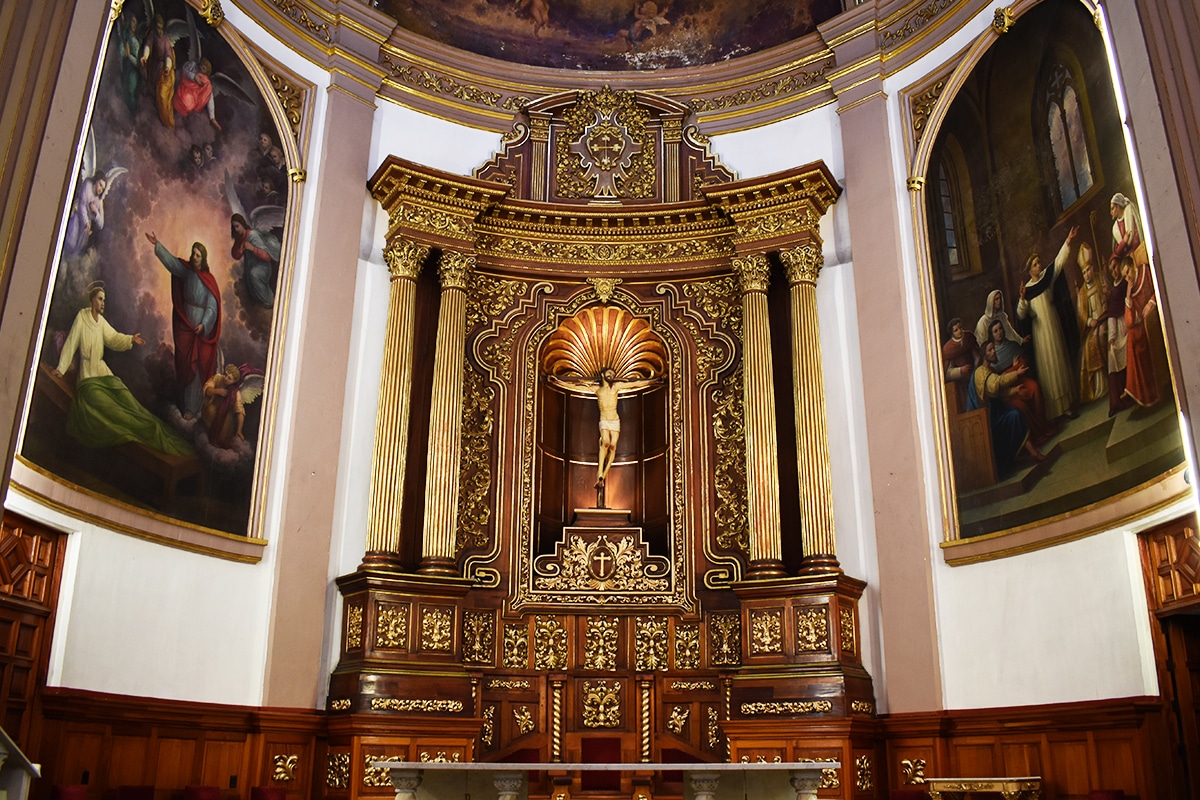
(803, 264)
(445, 417)
(404, 259)
(762, 467)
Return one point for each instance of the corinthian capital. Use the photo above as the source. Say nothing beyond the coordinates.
(404, 258)
(802, 263)
(454, 269)
(753, 271)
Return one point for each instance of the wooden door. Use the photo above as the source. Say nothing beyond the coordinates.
(1182, 633)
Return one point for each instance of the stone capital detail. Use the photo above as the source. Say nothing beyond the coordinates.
(404, 258)
(454, 269)
(753, 271)
(803, 263)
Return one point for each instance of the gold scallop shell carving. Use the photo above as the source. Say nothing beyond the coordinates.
(604, 337)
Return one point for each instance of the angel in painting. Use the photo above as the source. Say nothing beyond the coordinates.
(255, 244)
(158, 61)
(87, 216)
(198, 83)
(226, 395)
(648, 18)
(539, 10)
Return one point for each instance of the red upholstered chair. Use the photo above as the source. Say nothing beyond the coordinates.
(268, 793)
(135, 793)
(75, 791)
(201, 793)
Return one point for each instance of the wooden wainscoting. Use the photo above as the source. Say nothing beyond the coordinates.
(1074, 747)
(108, 741)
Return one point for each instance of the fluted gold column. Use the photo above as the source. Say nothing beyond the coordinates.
(404, 259)
(803, 264)
(445, 417)
(762, 466)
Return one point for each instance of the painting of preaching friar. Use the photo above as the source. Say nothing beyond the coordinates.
(1052, 360)
(149, 385)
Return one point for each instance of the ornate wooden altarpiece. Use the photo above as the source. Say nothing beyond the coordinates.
(508, 610)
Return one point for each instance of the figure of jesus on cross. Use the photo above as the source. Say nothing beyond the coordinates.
(606, 389)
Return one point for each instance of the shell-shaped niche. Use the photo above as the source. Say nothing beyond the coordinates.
(604, 337)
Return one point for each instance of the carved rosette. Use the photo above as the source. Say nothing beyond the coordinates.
(803, 264)
(404, 258)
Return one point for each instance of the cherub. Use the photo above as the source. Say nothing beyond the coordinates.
(648, 19)
(539, 10)
(87, 216)
(226, 395)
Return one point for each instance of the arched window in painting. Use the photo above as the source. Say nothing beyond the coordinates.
(1067, 138)
(953, 214)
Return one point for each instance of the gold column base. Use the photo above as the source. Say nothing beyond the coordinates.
(438, 566)
(818, 564)
(765, 569)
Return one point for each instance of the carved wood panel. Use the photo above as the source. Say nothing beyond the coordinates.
(1171, 558)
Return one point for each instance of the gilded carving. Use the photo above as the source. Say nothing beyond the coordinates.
(913, 770)
(913, 22)
(714, 728)
(434, 220)
(354, 623)
(650, 643)
(550, 644)
(693, 686)
(605, 287)
(720, 299)
(600, 644)
(425, 706)
(780, 87)
(677, 721)
(766, 631)
(337, 771)
(405, 257)
(454, 269)
(863, 779)
(921, 106)
(510, 683)
(602, 704)
(441, 84)
(812, 629)
(603, 565)
(391, 628)
(299, 15)
(607, 252)
(378, 776)
(915, 184)
(787, 707)
(732, 515)
(291, 99)
(491, 297)
(604, 150)
(340, 704)
(114, 11)
(524, 719)
(488, 734)
(479, 637)
(516, 646)
(829, 777)
(725, 640)
(440, 757)
(753, 272)
(437, 625)
(687, 647)
(846, 622)
(212, 12)
(802, 263)
(475, 464)
(1003, 19)
(285, 767)
(862, 707)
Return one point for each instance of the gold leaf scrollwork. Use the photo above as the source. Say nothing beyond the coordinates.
(550, 644)
(862, 707)
(340, 704)
(285, 767)
(780, 87)
(687, 647)
(650, 637)
(426, 706)
(829, 776)
(212, 12)
(846, 623)
(913, 770)
(604, 149)
(812, 629)
(864, 780)
(479, 637)
(437, 624)
(626, 567)
(600, 644)
(602, 704)
(524, 719)
(441, 84)
(692, 686)
(391, 628)
(291, 98)
(714, 729)
(766, 632)
(787, 707)
(605, 287)
(354, 625)
(491, 297)
(677, 721)
(378, 776)
(440, 757)
(1003, 20)
(115, 10)
(516, 646)
(725, 640)
(488, 734)
(299, 15)
(509, 683)
(732, 515)
(921, 106)
(720, 299)
(337, 771)
(913, 22)
(475, 465)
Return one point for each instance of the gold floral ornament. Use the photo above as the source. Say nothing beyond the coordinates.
(604, 337)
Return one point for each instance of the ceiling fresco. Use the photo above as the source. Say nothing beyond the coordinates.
(611, 34)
